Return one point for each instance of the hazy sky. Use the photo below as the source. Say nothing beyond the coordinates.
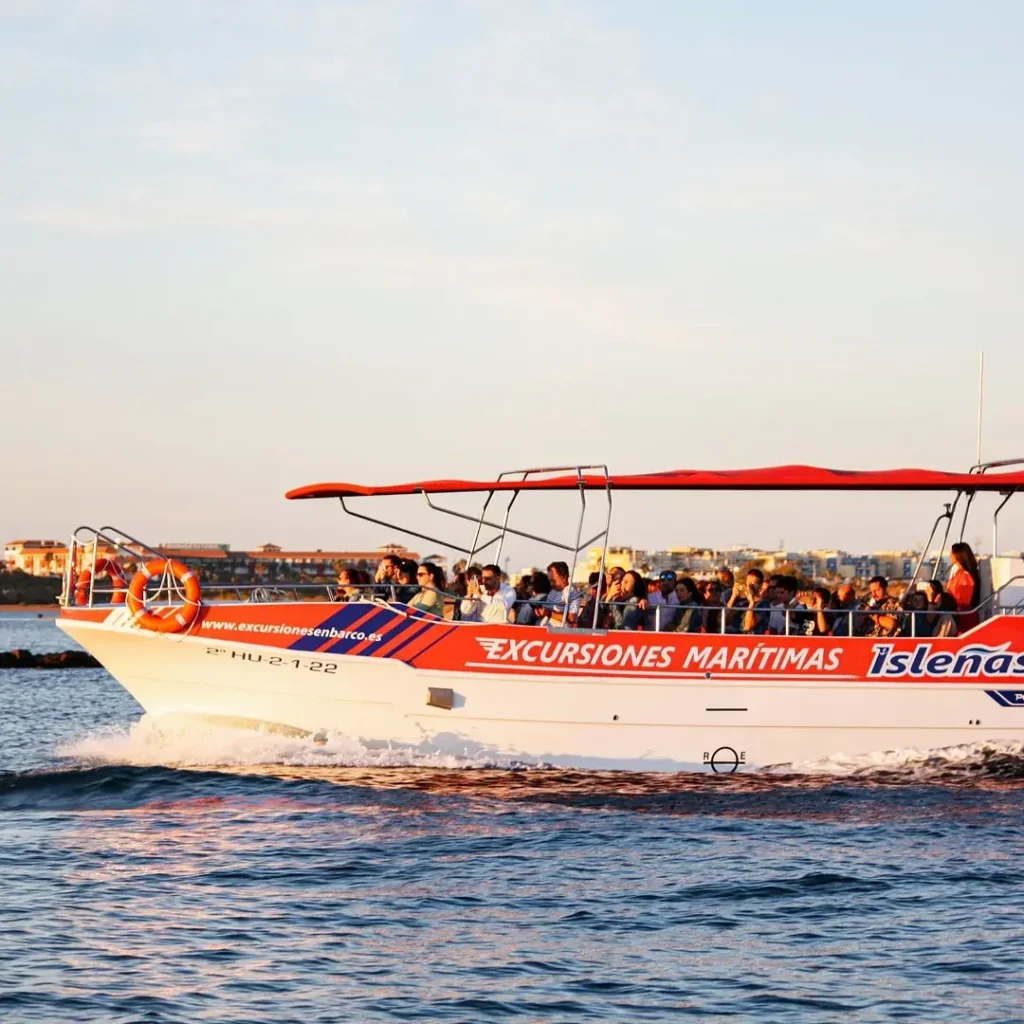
(247, 246)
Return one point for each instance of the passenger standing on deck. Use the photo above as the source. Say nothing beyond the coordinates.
(662, 604)
(965, 585)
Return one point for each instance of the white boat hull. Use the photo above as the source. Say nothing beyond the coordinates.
(629, 721)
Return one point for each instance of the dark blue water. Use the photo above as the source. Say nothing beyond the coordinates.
(264, 879)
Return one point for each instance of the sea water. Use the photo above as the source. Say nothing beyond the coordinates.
(166, 870)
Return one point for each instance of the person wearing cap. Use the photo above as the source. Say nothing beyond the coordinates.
(663, 603)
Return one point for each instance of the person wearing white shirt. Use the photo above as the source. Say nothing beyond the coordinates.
(488, 600)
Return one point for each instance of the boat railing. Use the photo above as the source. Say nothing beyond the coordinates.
(795, 621)
(87, 540)
(799, 621)
(267, 593)
(657, 617)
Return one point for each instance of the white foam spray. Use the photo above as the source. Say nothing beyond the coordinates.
(919, 763)
(176, 740)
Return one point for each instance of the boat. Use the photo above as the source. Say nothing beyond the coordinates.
(389, 675)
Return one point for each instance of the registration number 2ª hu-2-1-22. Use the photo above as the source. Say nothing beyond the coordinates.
(276, 661)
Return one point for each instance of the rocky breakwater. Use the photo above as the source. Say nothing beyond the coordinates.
(53, 659)
(17, 587)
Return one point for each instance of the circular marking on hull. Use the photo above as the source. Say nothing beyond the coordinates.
(724, 759)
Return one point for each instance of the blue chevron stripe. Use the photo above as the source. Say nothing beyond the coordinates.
(340, 620)
(372, 625)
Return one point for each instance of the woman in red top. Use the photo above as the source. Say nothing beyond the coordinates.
(965, 585)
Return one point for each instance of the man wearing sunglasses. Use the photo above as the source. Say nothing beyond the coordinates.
(387, 577)
(487, 598)
(663, 603)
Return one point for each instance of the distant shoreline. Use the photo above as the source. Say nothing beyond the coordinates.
(29, 608)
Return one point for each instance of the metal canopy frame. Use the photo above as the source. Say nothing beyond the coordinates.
(600, 470)
(515, 475)
(947, 514)
(981, 468)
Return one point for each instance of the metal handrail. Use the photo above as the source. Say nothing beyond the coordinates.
(995, 593)
(261, 593)
(727, 617)
(725, 613)
(115, 538)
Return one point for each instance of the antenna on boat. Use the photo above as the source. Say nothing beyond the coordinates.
(981, 397)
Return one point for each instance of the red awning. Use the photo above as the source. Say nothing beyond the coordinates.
(776, 478)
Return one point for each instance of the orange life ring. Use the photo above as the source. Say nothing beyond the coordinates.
(104, 567)
(178, 618)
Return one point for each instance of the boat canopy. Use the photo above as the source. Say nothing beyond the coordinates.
(774, 478)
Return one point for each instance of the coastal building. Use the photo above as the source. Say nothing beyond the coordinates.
(616, 557)
(271, 562)
(216, 561)
(828, 564)
(36, 557)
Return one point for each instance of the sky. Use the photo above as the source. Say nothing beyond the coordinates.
(249, 246)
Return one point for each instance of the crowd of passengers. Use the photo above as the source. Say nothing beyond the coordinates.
(623, 599)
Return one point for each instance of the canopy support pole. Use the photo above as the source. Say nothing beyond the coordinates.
(604, 554)
(405, 530)
(505, 527)
(995, 523)
(947, 515)
(945, 537)
(479, 527)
